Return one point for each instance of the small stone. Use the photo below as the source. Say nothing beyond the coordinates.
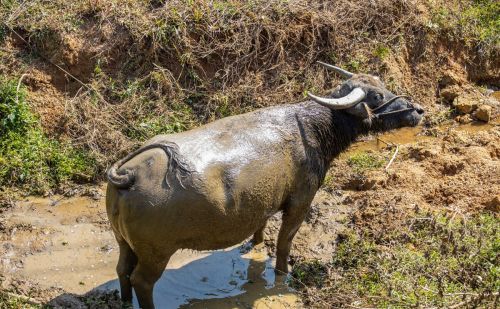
(463, 119)
(450, 93)
(81, 219)
(494, 204)
(484, 113)
(450, 78)
(465, 105)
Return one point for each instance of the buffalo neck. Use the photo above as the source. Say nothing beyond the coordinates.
(327, 133)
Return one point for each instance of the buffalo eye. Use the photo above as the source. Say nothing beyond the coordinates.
(378, 97)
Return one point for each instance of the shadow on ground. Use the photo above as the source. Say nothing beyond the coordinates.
(221, 279)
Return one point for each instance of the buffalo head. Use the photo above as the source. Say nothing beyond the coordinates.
(366, 97)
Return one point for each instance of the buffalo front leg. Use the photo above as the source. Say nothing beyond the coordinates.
(144, 277)
(258, 236)
(292, 219)
(124, 268)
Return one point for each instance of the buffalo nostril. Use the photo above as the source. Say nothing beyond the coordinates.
(420, 110)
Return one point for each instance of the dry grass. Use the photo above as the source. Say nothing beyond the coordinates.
(104, 76)
(428, 260)
(149, 67)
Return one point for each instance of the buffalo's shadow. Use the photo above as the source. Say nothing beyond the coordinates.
(220, 274)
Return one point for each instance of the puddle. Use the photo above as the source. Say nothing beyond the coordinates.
(63, 245)
(220, 279)
(406, 136)
(496, 95)
(67, 244)
(262, 288)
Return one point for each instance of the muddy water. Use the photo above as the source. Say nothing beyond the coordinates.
(496, 95)
(62, 243)
(405, 136)
(66, 243)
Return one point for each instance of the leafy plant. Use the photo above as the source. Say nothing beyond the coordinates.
(14, 113)
(29, 158)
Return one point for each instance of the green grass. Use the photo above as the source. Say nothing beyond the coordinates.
(431, 260)
(482, 17)
(3, 33)
(381, 51)
(308, 273)
(364, 161)
(472, 21)
(10, 302)
(29, 158)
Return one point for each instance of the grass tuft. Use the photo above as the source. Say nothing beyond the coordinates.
(365, 161)
(431, 260)
(28, 157)
(11, 302)
(472, 21)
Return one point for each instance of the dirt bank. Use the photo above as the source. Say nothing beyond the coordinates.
(105, 77)
(93, 79)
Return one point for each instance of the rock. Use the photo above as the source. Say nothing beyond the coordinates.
(494, 204)
(450, 93)
(81, 219)
(451, 78)
(465, 105)
(483, 113)
(463, 119)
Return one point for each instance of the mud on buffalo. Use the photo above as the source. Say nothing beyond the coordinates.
(214, 186)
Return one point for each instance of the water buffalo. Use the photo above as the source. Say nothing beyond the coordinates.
(214, 186)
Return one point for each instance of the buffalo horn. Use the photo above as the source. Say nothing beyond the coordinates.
(345, 74)
(353, 98)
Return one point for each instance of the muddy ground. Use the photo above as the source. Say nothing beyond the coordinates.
(57, 248)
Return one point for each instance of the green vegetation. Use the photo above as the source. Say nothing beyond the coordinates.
(308, 273)
(364, 161)
(439, 117)
(29, 158)
(483, 18)
(472, 21)
(3, 33)
(431, 260)
(11, 302)
(381, 51)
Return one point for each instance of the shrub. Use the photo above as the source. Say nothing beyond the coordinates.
(432, 260)
(27, 156)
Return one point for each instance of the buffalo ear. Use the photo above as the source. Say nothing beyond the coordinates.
(360, 110)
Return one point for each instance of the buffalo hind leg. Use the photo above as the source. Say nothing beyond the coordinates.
(292, 219)
(124, 268)
(258, 236)
(144, 277)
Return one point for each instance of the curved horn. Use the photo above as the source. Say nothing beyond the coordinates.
(353, 98)
(345, 74)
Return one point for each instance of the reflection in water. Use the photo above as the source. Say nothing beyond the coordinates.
(411, 135)
(262, 289)
(221, 279)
